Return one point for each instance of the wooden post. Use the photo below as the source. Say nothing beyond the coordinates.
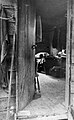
(16, 27)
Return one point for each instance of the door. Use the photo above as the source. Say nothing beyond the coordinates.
(26, 52)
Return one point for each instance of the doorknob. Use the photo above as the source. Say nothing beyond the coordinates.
(34, 46)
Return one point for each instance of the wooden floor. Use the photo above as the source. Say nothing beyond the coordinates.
(4, 103)
(52, 100)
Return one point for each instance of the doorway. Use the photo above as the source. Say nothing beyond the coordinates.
(52, 87)
(52, 99)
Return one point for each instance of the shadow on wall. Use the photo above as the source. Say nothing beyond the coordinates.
(42, 47)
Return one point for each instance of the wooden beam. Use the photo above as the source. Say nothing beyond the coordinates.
(26, 115)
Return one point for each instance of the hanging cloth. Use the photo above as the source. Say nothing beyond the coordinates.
(51, 34)
(38, 29)
(11, 23)
(55, 38)
(4, 36)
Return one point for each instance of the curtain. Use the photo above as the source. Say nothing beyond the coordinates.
(38, 29)
(51, 34)
(55, 38)
(4, 36)
(6, 39)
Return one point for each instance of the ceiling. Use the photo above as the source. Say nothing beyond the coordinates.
(52, 12)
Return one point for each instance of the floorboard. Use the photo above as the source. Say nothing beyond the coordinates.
(52, 100)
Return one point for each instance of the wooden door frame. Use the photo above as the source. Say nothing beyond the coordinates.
(67, 85)
(69, 56)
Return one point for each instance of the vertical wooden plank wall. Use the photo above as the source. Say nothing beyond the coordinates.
(26, 55)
